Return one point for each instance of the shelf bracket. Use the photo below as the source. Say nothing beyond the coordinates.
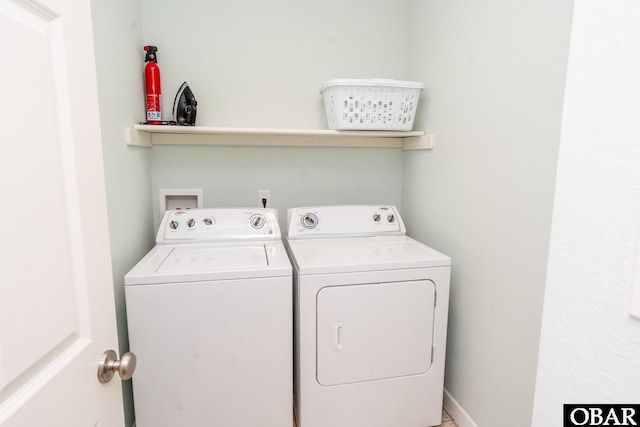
(137, 138)
(423, 142)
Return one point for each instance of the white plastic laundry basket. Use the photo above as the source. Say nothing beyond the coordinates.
(371, 104)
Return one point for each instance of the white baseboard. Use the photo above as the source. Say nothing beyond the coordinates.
(456, 411)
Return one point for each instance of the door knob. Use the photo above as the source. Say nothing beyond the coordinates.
(109, 365)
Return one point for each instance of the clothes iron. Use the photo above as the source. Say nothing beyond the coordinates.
(185, 106)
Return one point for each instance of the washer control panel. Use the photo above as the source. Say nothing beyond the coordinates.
(343, 221)
(218, 225)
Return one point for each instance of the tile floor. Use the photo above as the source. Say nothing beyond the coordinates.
(447, 421)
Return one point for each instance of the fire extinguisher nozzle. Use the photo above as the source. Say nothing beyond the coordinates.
(151, 54)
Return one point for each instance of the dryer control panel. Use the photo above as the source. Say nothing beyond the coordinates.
(344, 221)
(218, 225)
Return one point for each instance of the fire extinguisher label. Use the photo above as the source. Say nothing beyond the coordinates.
(153, 108)
(154, 115)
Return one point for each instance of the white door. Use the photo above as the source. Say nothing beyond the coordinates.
(57, 312)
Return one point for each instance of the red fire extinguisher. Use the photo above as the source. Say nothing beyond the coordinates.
(152, 84)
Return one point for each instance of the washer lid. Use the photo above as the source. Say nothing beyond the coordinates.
(210, 261)
(354, 254)
(187, 258)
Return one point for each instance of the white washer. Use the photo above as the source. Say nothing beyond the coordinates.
(209, 313)
(370, 319)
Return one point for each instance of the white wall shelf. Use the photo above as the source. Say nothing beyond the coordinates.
(149, 135)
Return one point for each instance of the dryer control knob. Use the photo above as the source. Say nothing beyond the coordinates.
(257, 221)
(376, 217)
(391, 218)
(309, 220)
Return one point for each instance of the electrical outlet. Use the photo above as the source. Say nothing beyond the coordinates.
(264, 198)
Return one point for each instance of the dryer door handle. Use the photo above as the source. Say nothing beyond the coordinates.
(337, 336)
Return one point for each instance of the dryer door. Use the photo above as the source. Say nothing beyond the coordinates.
(374, 331)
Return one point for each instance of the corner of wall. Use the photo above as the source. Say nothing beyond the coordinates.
(118, 43)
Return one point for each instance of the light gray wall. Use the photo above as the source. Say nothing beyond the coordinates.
(296, 176)
(494, 72)
(117, 38)
(590, 346)
(261, 64)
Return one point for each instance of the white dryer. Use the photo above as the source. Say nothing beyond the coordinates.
(370, 319)
(209, 314)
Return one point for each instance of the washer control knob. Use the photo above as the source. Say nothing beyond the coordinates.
(191, 223)
(376, 217)
(257, 221)
(208, 221)
(173, 225)
(309, 221)
(391, 218)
